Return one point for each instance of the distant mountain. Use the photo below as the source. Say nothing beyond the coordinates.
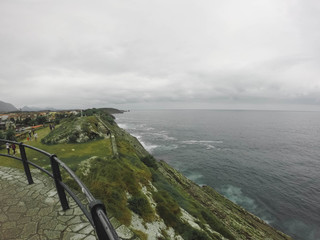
(35, 109)
(7, 107)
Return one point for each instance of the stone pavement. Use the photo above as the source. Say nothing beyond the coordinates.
(34, 212)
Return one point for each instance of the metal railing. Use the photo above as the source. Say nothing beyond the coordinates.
(96, 214)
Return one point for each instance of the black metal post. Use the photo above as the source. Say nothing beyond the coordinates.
(104, 229)
(57, 179)
(25, 163)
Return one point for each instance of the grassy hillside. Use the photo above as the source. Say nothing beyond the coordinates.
(148, 196)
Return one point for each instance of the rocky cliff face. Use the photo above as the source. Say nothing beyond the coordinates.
(241, 223)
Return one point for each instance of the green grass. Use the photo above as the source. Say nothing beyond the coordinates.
(182, 199)
(141, 206)
(71, 154)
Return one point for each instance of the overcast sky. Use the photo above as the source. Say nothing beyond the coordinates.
(132, 54)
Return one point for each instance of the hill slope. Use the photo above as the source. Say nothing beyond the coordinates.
(7, 107)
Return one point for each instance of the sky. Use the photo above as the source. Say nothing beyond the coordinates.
(160, 54)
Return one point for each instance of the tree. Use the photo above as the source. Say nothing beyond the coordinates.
(1, 135)
(27, 121)
(11, 135)
(41, 119)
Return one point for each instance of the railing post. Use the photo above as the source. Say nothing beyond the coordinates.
(25, 163)
(104, 229)
(57, 179)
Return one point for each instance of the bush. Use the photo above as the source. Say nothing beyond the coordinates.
(167, 208)
(150, 161)
(73, 138)
(41, 119)
(10, 135)
(1, 135)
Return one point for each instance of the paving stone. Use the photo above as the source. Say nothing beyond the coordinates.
(8, 225)
(52, 234)
(87, 230)
(29, 230)
(3, 217)
(90, 238)
(115, 223)
(124, 232)
(34, 212)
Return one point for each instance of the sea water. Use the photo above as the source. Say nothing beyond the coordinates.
(266, 161)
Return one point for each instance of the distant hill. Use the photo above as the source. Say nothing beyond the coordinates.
(36, 109)
(7, 107)
(112, 110)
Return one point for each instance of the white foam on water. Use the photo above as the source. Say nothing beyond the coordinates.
(163, 135)
(149, 147)
(208, 144)
(236, 195)
(136, 136)
(201, 141)
(123, 125)
(210, 147)
(169, 147)
(194, 176)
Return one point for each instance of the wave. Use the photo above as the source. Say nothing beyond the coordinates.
(123, 125)
(169, 147)
(236, 195)
(136, 136)
(195, 177)
(149, 147)
(201, 141)
(206, 143)
(163, 136)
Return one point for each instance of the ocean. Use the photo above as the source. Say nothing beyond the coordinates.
(266, 161)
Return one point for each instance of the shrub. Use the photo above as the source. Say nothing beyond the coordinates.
(167, 208)
(150, 161)
(10, 135)
(216, 224)
(141, 206)
(73, 137)
(141, 235)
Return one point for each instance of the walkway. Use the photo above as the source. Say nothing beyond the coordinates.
(112, 138)
(34, 211)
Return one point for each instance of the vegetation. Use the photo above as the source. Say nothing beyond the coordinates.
(150, 161)
(141, 206)
(120, 181)
(76, 130)
(10, 135)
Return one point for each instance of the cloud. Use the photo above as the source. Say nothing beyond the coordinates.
(161, 53)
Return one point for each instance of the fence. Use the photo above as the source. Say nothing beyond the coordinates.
(96, 213)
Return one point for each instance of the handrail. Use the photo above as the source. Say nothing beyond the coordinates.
(97, 212)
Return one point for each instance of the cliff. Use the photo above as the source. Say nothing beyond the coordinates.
(155, 201)
(146, 197)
